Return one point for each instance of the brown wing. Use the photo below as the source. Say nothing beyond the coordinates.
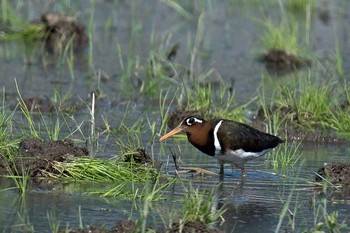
(235, 135)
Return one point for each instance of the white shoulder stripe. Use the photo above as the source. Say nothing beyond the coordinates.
(216, 140)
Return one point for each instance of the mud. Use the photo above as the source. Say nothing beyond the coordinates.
(294, 133)
(60, 30)
(43, 104)
(142, 157)
(192, 227)
(40, 104)
(36, 157)
(336, 173)
(130, 226)
(284, 59)
(280, 63)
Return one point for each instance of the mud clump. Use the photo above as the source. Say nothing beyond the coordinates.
(41, 104)
(283, 58)
(37, 157)
(88, 229)
(60, 30)
(129, 226)
(295, 133)
(279, 62)
(192, 227)
(124, 226)
(141, 156)
(336, 173)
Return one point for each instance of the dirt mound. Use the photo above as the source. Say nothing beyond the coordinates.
(60, 30)
(192, 227)
(37, 156)
(129, 226)
(124, 227)
(337, 173)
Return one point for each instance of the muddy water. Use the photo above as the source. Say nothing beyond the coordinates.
(231, 45)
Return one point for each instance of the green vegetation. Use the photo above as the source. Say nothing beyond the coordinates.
(283, 36)
(285, 156)
(323, 220)
(199, 206)
(86, 169)
(17, 28)
(153, 79)
(300, 5)
(309, 103)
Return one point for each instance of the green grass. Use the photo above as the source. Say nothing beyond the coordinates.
(322, 219)
(309, 103)
(285, 156)
(283, 36)
(49, 125)
(17, 28)
(198, 206)
(300, 5)
(87, 169)
(212, 100)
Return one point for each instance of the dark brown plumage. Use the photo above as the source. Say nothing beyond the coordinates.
(226, 140)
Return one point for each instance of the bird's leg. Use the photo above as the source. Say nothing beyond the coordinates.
(244, 173)
(198, 171)
(221, 169)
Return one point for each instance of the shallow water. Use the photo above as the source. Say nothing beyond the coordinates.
(231, 45)
(253, 204)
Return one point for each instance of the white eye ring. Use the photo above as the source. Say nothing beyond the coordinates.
(193, 120)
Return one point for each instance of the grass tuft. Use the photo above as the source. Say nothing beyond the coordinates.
(284, 36)
(199, 206)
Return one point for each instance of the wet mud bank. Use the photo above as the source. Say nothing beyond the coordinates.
(131, 226)
(36, 157)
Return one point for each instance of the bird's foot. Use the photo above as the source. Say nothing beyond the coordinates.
(197, 171)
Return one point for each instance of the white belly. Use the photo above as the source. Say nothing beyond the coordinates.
(238, 157)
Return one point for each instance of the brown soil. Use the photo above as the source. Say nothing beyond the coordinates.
(279, 62)
(44, 104)
(124, 227)
(293, 133)
(192, 227)
(283, 58)
(60, 30)
(36, 157)
(89, 229)
(129, 227)
(336, 173)
(41, 104)
(142, 157)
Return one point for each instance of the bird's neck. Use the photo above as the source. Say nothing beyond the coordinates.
(203, 139)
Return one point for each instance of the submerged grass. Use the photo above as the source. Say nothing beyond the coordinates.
(199, 206)
(285, 156)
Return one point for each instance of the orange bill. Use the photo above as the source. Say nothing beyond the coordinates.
(171, 133)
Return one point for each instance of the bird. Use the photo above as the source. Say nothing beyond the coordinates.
(226, 140)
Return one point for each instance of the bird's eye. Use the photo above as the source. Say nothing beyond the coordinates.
(193, 120)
